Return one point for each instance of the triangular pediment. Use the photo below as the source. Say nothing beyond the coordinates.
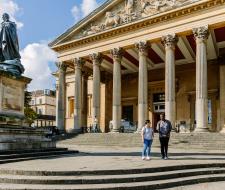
(115, 13)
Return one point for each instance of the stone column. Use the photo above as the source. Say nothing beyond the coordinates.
(78, 63)
(201, 35)
(60, 106)
(142, 84)
(117, 57)
(96, 59)
(222, 94)
(84, 99)
(169, 41)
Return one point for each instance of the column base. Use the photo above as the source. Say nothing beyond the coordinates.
(138, 130)
(223, 130)
(201, 130)
(74, 131)
(115, 131)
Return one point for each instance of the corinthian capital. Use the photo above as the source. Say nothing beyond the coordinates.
(201, 33)
(61, 66)
(142, 46)
(170, 40)
(78, 63)
(96, 58)
(117, 53)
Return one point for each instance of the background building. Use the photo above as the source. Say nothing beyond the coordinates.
(44, 103)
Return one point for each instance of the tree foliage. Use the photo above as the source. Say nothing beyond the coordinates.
(30, 114)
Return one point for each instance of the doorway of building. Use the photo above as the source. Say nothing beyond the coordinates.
(127, 113)
(156, 118)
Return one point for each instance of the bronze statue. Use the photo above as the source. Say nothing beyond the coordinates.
(9, 48)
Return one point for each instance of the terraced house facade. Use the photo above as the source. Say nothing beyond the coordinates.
(137, 58)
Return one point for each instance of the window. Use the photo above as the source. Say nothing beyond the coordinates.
(40, 101)
(159, 97)
(71, 107)
(32, 102)
(40, 111)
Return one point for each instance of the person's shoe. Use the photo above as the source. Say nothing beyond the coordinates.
(143, 158)
(165, 158)
(162, 158)
(148, 158)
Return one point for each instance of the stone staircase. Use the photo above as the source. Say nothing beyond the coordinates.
(202, 141)
(132, 179)
(23, 155)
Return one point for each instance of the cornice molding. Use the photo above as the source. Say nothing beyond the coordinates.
(177, 13)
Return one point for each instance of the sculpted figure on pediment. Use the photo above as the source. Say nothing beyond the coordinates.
(112, 20)
(129, 6)
(93, 29)
(150, 7)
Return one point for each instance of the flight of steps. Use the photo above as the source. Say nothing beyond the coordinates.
(203, 141)
(132, 179)
(23, 155)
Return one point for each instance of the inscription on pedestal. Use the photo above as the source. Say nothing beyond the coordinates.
(12, 96)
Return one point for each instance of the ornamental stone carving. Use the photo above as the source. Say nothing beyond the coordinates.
(96, 58)
(78, 63)
(154, 6)
(61, 66)
(170, 40)
(201, 33)
(117, 53)
(129, 11)
(142, 46)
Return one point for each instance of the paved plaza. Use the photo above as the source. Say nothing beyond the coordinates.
(100, 158)
(108, 158)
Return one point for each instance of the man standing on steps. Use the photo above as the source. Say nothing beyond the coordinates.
(164, 128)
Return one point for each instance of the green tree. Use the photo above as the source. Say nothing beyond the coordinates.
(30, 114)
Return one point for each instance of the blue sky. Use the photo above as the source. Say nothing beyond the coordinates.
(44, 19)
(39, 22)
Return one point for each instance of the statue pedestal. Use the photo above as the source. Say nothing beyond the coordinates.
(12, 98)
(14, 135)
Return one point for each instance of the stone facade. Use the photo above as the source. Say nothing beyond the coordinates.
(141, 66)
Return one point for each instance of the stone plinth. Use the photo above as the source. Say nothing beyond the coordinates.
(12, 98)
(23, 138)
(14, 135)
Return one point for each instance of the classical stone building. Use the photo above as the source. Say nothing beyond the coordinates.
(43, 102)
(138, 58)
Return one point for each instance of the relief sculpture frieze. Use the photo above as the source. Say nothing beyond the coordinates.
(130, 10)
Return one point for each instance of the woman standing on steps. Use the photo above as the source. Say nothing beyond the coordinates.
(147, 135)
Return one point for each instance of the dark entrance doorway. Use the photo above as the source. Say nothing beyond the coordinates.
(156, 118)
(127, 113)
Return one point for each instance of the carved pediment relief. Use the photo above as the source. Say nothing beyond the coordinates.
(128, 11)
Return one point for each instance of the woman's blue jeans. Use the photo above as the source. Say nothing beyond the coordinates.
(147, 148)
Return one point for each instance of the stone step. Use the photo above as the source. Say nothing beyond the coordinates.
(113, 172)
(30, 151)
(107, 179)
(32, 156)
(206, 141)
(146, 185)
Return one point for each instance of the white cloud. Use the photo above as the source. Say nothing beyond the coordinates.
(83, 9)
(12, 9)
(87, 6)
(76, 13)
(35, 59)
